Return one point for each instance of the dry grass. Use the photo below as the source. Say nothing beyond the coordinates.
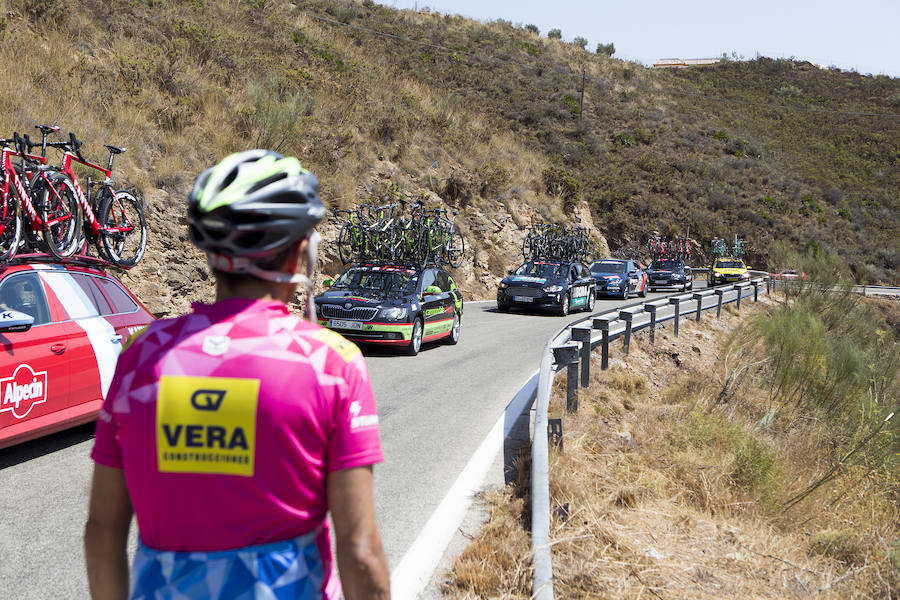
(662, 493)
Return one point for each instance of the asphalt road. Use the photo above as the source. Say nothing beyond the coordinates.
(434, 409)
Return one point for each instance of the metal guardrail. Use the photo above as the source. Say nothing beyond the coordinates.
(560, 352)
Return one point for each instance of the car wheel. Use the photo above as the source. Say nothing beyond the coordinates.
(644, 291)
(415, 340)
(592, 300)
(690, 285)
(563, 309)
(502, 306)
(625, 292)
(453, 338)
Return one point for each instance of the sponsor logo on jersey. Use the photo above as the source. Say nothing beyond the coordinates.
(216, 345)
(206, 425)
(358, 421)
(22, 391)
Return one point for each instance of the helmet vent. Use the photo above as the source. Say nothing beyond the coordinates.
(267, 181)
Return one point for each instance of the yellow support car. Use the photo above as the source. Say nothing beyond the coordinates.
(727, 270)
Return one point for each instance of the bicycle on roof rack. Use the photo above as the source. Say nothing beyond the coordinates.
(112, 219)
(31, 217)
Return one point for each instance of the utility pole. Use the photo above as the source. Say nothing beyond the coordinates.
(581, 101)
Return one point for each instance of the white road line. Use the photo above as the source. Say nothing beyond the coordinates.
(411, 576)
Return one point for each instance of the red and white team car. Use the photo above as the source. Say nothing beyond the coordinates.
(62, 326)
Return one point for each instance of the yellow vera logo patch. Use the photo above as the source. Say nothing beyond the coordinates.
(206, 425)
(338, 343)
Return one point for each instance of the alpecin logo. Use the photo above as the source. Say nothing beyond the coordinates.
(22, 391)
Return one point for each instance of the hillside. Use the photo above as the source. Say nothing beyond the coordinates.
(484, 118)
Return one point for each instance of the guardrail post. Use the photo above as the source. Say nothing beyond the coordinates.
(699, 298)
(720, 294)
(602, 323)
(677, 303)
(740, 292)
(651, 308)
(755, 285)
(583, 335)
(568, 355)
(768, 285)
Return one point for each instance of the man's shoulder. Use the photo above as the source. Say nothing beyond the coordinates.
(322, 336)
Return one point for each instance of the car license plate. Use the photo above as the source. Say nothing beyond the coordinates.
(523, 298)
(339, 324)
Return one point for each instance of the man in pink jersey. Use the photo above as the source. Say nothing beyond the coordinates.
(233, 431)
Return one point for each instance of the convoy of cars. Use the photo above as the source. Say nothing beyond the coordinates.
(558, 285)
(62, 326)
(670, 273)
(393, 304)
(619, 277)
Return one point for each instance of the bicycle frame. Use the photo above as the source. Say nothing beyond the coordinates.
(66, 167)
(12, 176)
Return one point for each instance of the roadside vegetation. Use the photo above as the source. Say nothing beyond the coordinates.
(753, 456)
(484, 117)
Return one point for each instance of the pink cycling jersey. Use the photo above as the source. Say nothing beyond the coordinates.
(227, 422)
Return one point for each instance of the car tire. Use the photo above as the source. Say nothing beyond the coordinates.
(644, 291)
(690, 285)
(502, 306)
(415, 340)
(563, 308)
(453, 338)
(592, 300)
(625, 292)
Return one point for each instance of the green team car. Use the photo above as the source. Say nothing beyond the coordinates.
(392, 304)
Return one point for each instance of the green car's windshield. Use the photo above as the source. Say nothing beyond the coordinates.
(378, 279)
(729, 264)
(544, 270)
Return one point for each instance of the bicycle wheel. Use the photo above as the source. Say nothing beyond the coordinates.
(345, 244)
(10, 228)
(60, 214)
(123, 228)
(456, 248)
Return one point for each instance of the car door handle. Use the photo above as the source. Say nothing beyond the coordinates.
(58, 348)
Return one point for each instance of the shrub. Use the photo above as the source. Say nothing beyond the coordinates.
(606, 49)
(560, 182)
(530, 49)
(789, 90)
(580, 42)
(495, 179)
(894, 101)
(571, 104)
(720, 135)
(555, 34)
(720, 201)
(755, 467)
(533, 29)
(846, 545)
(625, 139)
(844, 214)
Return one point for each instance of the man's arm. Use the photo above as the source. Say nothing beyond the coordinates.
(360, 556)
(106, 534)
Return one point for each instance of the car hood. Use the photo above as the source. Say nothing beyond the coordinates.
(597, 274)
(730, 271)
(358, 298)
(665, 272)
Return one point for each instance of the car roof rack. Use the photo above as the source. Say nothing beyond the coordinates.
(83, 260)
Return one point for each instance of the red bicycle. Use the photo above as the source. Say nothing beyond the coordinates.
(120, 232)
(27, 193)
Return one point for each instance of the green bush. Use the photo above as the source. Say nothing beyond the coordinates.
(846, 546)
(789, 90)
(606, 49)
(530, 48)
(571, 104)
(580, 42)
(533, 29)
(555, 34)
(560, 182)
(625, 139)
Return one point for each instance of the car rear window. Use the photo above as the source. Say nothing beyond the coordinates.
(121, 301)
(93, 293)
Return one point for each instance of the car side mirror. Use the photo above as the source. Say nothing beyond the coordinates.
(511, 272)
(431, 290)
(328, 282)
(15, 321)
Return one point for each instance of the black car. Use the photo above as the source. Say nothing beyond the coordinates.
(392, 304)
(560, 285)
(619, 277)
(670, 272)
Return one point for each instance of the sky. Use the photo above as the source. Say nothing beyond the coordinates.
(861, 35)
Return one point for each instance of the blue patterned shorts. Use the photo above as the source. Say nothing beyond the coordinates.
(291, 569)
